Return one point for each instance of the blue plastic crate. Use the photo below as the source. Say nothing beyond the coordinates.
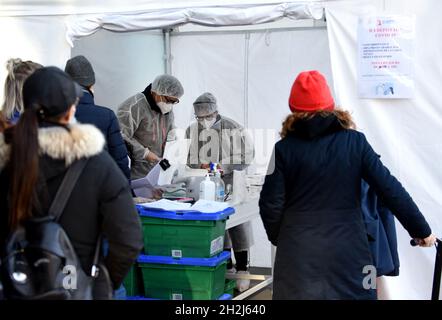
(184, 214)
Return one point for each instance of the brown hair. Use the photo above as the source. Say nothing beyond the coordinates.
(343, 116)
(24, 165)
(3, 123)
(18, 72)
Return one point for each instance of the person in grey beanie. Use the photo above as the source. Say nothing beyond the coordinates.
(81, 71)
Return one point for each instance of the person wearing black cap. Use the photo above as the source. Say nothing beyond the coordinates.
(34, 157)
(81, 71)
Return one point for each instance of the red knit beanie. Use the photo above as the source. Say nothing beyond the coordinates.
(310, 93)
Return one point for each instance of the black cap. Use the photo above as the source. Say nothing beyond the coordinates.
(50, 91)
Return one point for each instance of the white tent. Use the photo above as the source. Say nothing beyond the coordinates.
(250, 67)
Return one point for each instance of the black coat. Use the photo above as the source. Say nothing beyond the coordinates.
(100, 201)
(311, 210)
(105, 120)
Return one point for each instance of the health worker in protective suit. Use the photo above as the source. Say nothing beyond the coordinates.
(147, 122)
(218, 139)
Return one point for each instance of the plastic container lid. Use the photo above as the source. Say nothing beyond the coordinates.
(139, 298)
(225, 296)
(199, 262)
(184, 215)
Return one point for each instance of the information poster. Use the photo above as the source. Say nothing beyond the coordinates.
(386, 57)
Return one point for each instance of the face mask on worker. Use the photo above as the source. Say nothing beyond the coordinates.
(164, 107)
(207, 124)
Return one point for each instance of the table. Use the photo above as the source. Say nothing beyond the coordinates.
(244, 212)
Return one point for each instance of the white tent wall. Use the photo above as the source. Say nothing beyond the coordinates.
(213, 63)
(124, 63)
(40, 39)
(406, 132)
(250, 73)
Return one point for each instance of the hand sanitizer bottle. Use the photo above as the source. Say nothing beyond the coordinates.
(207, 189)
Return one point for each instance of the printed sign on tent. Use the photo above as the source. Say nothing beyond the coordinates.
(386, 57)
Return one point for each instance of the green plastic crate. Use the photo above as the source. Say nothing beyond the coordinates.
(230, 286)
(183, 238)
(167, 281)
(133, 282)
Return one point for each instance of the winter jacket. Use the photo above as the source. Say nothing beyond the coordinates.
(145, 129)
(105, 120)
(310, 205)
(100, 202)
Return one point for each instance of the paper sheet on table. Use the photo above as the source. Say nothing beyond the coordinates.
(142, 188)
(207, 206)
(203, 206)
(169, 205)
(176, 153)
(145, 192)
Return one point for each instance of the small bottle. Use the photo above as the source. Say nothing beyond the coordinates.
(207, 189)
(219, 187)
(214, 167)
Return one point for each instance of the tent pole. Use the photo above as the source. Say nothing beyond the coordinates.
(167, 53)
(246, 80)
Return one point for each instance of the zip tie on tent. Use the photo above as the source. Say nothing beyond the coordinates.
(267, 38)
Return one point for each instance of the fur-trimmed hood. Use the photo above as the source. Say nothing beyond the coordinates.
(83, 140)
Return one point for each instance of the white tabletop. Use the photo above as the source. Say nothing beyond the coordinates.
(244, 212)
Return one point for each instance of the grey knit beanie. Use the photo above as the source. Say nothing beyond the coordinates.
(81, 71)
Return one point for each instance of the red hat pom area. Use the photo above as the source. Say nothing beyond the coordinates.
(310, 93)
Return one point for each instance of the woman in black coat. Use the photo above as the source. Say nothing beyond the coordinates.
(34, 158)
(310, 201)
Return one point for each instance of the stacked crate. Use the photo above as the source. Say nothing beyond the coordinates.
(183, 256)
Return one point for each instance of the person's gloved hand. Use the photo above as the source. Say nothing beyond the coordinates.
(157, 193)
(152, 157)
(426, 242)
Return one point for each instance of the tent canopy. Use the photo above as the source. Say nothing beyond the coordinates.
(215, 16)
(75, 7)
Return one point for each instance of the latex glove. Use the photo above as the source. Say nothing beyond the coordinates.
(157, 193)
(427, 242)
(152, 157)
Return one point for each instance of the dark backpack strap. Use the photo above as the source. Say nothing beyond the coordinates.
(66, 187)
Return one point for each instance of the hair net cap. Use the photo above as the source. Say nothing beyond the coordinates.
(205, 104)
(167, 85)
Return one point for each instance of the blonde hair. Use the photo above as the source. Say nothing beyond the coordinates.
(18, 72)
(344, 118)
